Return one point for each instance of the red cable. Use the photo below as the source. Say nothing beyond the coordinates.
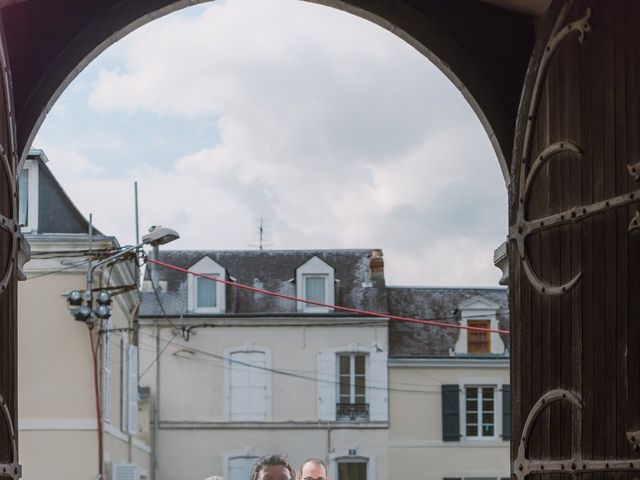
(319, 304)
(97, 395)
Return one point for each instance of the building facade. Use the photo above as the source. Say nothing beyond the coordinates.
(239, 374)
(454, 383)
(58, 419)
(236, 374)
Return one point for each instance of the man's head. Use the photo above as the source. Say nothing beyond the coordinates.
(272, 467)
(313, 469)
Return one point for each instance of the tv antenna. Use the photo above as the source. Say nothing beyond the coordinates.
(263, 232)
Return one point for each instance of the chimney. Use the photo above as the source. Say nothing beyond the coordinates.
(376, 265)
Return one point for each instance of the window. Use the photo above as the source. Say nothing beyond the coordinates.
(352, 387)
(479, 312)
(478, 342)
(23, 208)
(352, 469)
(480, 411)
(132, 391)
(315, 287)
(106, 372)
(315, 282)
(28, 195)
(248, 386)
(476, 412)
(206, 295)
(240, 467)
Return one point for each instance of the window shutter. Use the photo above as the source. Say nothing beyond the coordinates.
(133, 389)
(450, 413)
(327, 385)
(106, 373)
(506, 412)
(377, 384)
(124, 384)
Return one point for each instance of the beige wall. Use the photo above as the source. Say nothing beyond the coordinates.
(193, 383)
(195, 438)
(416, 447)
(57, 412)
(196, 454)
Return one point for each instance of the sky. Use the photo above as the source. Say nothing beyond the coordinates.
(334, 131)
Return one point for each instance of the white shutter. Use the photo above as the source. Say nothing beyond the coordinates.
(124, 385)
(327, 385)
(106, 373)
(378, 387)
(133, 389)
(125, 471)
(249, 386)
(239, 407)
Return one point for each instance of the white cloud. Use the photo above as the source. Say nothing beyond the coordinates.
(337, 132)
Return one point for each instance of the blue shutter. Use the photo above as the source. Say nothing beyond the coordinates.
(506, 412)
(450, 413)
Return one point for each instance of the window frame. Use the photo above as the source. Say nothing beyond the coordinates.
(496, 385)
(209, 267)
(315, 267)
(352, 385)
(479, 308)
(32, 168)
(343, 455)
(268, 382)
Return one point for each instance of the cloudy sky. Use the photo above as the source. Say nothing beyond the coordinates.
(333, 130)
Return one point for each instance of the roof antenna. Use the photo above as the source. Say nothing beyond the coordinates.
(263, 231)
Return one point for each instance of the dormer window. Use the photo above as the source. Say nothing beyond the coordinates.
(479, 312)
(28, 196)
(478, 341)
(315, 282)
(315, 288)
(205, 295)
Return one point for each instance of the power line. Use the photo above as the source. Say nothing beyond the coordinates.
(275, 371)
(320, 304)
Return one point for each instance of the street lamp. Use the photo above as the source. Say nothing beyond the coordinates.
(157, 236)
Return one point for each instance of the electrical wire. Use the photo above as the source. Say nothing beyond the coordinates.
(73, 265)
(320, 304)
(276, 371)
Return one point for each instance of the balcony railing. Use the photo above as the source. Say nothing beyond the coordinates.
(352, 412)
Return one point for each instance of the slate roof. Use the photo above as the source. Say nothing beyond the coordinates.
(272, 270)
(56, 212)
(411, 340)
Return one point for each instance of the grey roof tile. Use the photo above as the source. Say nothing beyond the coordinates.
(273, 270)
(411, 340)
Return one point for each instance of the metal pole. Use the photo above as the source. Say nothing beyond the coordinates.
(156, 405)
(135, 194)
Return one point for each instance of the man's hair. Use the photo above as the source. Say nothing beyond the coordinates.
(317, 462)
(271, 459)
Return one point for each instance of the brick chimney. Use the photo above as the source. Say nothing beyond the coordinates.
(376, 265)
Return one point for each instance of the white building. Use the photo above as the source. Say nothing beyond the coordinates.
(238, 374)
(58, 426)
(241, 374)
(450, 392)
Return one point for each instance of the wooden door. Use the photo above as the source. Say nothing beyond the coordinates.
(575, 246)
(9, 467)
